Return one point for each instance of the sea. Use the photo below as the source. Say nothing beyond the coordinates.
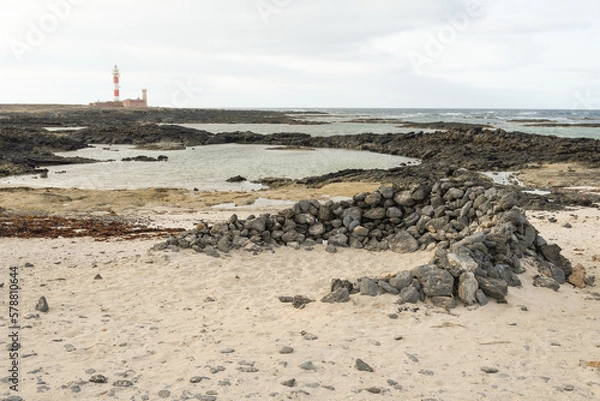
(207, 168)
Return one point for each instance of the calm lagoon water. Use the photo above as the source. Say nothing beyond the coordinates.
(202, 167)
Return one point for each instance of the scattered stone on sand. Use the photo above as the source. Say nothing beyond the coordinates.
(100, 379)
(488, 369)
(362, 366)
(286, 350)
(42, 305)
(289, 382)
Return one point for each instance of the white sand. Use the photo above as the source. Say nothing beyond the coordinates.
(150, 320)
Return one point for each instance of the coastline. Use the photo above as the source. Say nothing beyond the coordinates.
(179, 324)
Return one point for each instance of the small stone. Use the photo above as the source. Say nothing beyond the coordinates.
(401, 280)
(100, 379)
(546, 282)
(399, 338)
(307, 366)
(568, 387)
(374, 390)
(42, 305)
(123, 383)
(164, 393)
(289, 383)
(247, 369)
(481, 298)
(488, 369)
(328, 387)
(198, 379)
(388, 288)
(331, 248)
(286, 350)
(98, 277)
(362, 366)
(523, 308)
(227, 351)
(309, 337)
(393, 316)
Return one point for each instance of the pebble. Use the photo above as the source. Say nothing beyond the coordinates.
(98, 277)
(164, 393)
(42, 305)
(374, 390)
(123, 383)
(227, 351)
(362, 366)
(286, 350)
(98, 379)
(289, 382)
(307, 366)
(309, 337)
(198, 379)
(247, 369)
(488, 369)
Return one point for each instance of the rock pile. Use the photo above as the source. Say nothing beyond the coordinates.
(478, 234)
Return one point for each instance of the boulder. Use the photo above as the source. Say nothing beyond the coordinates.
(467, 288)
(402, 280)
(493, 287)
(403, 242)
(435, 282)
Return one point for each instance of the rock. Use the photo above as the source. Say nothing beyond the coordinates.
(97, 277)
(237, 178)
(100, 379)
(387, 287)
(410, 295)
(257, 224)
(123, 383)
(210, 251)
(444, 302)
(338, 240)
(493, 287)
(227, 351)
(467, 288)
(458, 263)
(307, 366)
(373, 199)
(42, 305)
(286, 350)
(489, 370)
(481, 298)
(362, 366)
(316, 229)
(360, 230)
(402, 280)
(552, 255)
(198, 379)
(309, 337)
(164, 393)
(339, 295)
(546, 282)
(300, 301)
(558, 275)
(331, 248)
(386, 191)
(436, 282)
(403, 242)
(378, 213)
(337, 283)
(289, 382)
(368, 287)
(578, 277)
(224, 245)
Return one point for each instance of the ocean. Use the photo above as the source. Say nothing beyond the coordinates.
(208, 167)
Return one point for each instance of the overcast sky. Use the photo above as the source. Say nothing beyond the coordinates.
(304, 53)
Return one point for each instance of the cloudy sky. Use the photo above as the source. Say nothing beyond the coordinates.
(304, 53)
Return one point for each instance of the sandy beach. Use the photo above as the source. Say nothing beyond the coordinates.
(183, 325)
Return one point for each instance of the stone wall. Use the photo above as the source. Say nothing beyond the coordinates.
(478, 234)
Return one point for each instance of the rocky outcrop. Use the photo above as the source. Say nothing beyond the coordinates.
(478, 234)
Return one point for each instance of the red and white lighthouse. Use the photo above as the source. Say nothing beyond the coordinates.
(116, 76)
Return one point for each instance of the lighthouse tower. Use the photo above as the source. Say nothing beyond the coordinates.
(116, 76)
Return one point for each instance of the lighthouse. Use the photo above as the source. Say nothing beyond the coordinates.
(116, 76)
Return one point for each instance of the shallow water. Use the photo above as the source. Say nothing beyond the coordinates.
(203, 167)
